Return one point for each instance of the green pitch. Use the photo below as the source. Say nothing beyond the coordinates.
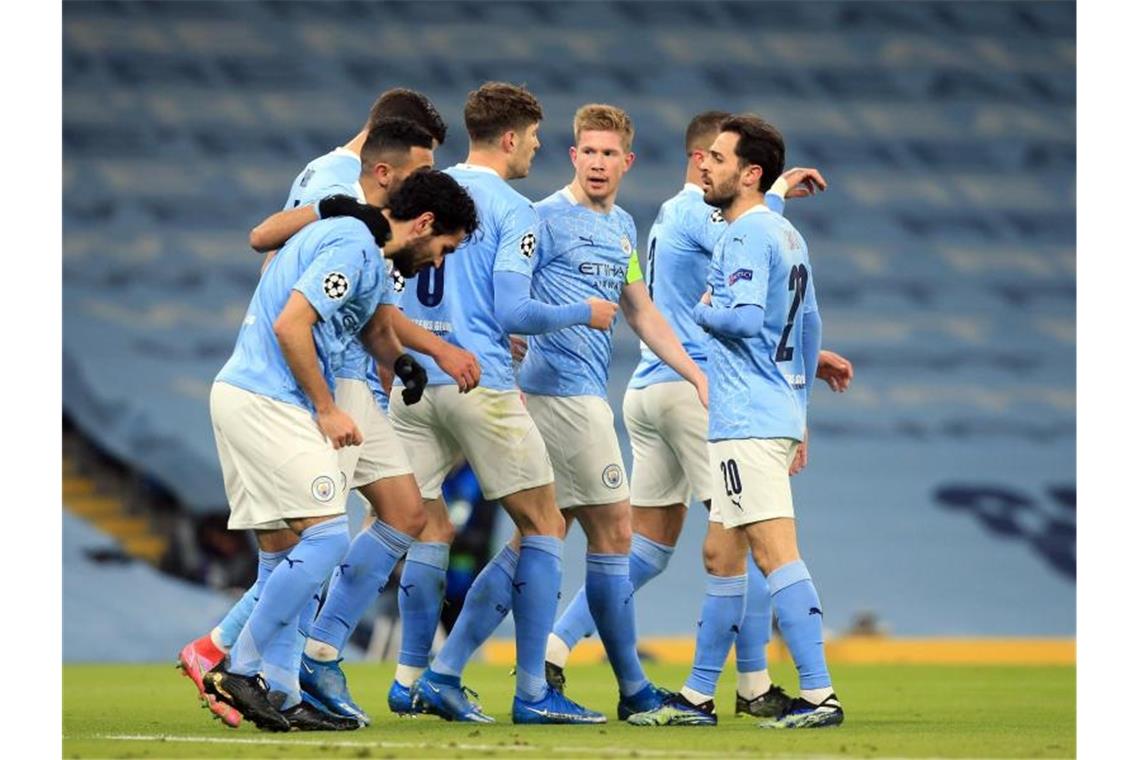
(892, 711)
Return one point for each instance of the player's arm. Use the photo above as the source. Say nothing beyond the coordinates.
(275, 230)
(523, 242)
(799, 182)
(294, 331)
(379, 338)
(746, 280)
(647, 322)
(459, 364)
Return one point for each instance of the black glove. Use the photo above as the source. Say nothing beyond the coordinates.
(414, 377)
(346, 205)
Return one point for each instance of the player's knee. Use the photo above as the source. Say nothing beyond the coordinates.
(437, 529)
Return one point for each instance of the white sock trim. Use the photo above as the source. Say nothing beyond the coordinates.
(406, 675)
(320, 651)
(216, 637)
(752, 685)
(557, 651)
(695, 697)
(815, 696)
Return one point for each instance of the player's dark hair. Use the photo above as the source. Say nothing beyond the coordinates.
(760, 144)
(408, 104)
(499, 107)
(434, 191)
(702, 130)
(392, 137)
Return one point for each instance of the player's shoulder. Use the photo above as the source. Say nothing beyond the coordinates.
(488, 188)
(554, 205)
(341, 231)
(338, 161)
(623, 216)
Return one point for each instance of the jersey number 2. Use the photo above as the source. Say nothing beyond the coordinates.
(429, 285)
(797, 283)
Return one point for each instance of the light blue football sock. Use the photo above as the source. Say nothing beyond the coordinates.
(288, 590)
(801, 622)
(717, 628)
(487, 602)
(647, 559)
(422, 587)
(359, 578)
(756, 629)
(536, 584)
(288, 647)
(610, 595)
(231, 625)
(236, 619)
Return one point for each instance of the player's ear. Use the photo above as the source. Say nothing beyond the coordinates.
(383, 173)
(424, 222)
(508, 141)
(629, 157)
(573, 153)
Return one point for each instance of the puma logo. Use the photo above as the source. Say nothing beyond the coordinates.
(815, 611)
(518, 586)
(407, 589)
(294, 562)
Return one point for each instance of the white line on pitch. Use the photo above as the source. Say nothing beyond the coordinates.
(350, 744)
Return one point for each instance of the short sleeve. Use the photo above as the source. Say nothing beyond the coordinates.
(745, 268)
(388, 294)
(706, 228)
(313, 194)
(518, 241)
(334, 275)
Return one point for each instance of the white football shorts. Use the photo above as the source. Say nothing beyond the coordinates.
(491, 428)
(276, 464)
(751, 481)
(579, 434)
(668, 429)
(382, 454)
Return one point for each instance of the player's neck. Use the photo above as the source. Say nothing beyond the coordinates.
(742, 205)
(490, 159)
(356, 144)
(693, 173)
(603, 206)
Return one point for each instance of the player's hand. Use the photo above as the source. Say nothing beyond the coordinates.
(461, 366)
(519, 347)
(703, 390)
(803, 182)
(706, 299)
(336, 426)
(602, 313)
(801, 458)
(835, 370)
(414, 377)
(346, 205)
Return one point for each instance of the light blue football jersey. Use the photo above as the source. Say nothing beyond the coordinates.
(338, 173)
(336, 265)
(757, 386)
(457, 300)
(581, 254)
(678, 250)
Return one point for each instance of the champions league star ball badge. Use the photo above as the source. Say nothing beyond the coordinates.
(611, 476)
(335, 285)
(323, 488)
(527, 245)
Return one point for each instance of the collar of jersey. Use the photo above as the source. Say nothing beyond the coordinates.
(476, 168)
(343, 151)
(692, 186)
(757, 209)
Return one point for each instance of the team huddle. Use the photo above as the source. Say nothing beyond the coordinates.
(381, 347)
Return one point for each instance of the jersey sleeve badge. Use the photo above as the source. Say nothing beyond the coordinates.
(335, 285)
(527, 244)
